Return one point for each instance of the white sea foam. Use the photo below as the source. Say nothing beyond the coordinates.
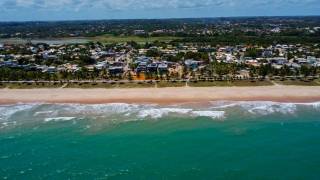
(315, 105)
(264, 107)
(56, 119)
(124, 112)
(6, 111)
(212, 114)
(43, 113)
(7, 124)
(160, 112)
(112, 108)
(223, 104)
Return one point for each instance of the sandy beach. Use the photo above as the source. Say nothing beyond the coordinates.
(162, 95)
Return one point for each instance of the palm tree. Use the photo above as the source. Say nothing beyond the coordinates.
(305, 70)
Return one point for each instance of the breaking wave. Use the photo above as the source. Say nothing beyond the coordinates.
(6, 111)
(212, 114)
(128, 112)
(59, 119)
(160, 112)
(264, 107)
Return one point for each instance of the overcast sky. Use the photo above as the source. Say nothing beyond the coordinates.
(26, 10)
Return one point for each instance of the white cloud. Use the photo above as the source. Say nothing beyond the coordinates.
(144, 4)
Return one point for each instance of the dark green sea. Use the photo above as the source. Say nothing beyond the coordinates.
(218, 140)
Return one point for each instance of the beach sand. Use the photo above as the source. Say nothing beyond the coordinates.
(162, 95)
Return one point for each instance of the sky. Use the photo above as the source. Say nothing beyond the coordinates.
(41, 10)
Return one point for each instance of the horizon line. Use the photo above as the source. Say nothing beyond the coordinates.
(169, 18)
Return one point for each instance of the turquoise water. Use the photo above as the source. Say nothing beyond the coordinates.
(228, 140)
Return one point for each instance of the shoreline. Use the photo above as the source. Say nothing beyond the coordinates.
(172, 95)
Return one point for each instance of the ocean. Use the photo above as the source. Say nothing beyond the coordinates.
(216, 140)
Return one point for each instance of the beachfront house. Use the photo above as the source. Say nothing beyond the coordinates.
(192, 64)
(116, 71)
(101, 65)
(267, 53)
(143, 59)
(311, 60)
(278, 60)
(10, 64)
(142, 67)
(301, 61)
(153, 67)
(162, 67)
(50, 70)
(1, 46)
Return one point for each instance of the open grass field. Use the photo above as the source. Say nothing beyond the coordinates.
(111, 85)
(160, 84)
(67, 40)
(108, 39)
(30, 85)
(170, 84)
(298, 82)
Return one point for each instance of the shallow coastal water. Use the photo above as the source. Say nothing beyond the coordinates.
(221, 140)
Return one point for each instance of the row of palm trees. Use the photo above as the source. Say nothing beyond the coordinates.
(213, 72)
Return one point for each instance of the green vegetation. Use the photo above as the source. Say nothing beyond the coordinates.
(128, 50)
(31, 85)
(234, 39)
(89, 85)
(170, 84)
(163, 84)
(110, 85)
(2, 86)
(230, 83)
(301, 82)
(146, 84)
(109, 39)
